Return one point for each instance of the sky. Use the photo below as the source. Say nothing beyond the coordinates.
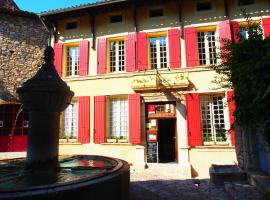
(38, 6)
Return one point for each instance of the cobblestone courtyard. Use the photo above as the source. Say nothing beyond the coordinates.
(163, 182)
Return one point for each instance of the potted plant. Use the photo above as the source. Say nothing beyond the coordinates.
(122, 139)
(72, 139)
(112, 139)
(207, 139)
(62, 137)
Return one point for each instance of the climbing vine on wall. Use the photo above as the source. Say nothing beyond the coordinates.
(246, 67)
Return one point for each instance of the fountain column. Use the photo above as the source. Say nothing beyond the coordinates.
(45, 96)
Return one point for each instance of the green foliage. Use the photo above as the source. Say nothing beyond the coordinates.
(265, 196)
(246, 65)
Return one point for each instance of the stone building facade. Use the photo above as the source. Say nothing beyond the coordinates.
(22, 41)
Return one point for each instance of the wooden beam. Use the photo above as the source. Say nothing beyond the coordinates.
(93, 30)
(226, 10)
(181, 23)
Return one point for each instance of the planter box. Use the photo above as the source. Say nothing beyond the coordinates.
(72, 140)
(63, 141)
(111, 140)
(122, 140)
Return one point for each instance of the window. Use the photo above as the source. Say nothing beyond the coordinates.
(213, 119)
(116, 18)
(70, 121)
(72, 61)
(71, 25)
(207, 44)
(243, 31)
(156, 13)
(118, 117)
(117, 56)
(1, 124)
(158, 52)
(203, 6)
(245, 2)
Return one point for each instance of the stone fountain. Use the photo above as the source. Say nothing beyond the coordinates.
(45, 175)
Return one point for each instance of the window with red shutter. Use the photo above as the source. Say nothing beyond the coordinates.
(231, 105)
(191, 47)
(99, 119)
(101, 56)
(134, 103)
(84, 58)
(142, 51)
(58, 53)
(84, 119)
(130, 52)
(266, 27)
(174, 48)
(193, 119)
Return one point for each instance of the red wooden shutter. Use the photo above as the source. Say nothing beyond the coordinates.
(174, 48)
(235, 31)
(84, 55)
(99, 120)
(84, 119)
(231, 105)
(193, 119)
(142, 51)
(102, 56)
(134, 104)
(191, 47)
(58, 53)
(224, 31)
(266, 27)
(130, 52)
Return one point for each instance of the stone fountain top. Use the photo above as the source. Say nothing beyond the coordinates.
(46, 90)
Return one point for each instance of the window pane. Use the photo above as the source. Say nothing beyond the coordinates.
(72, 61)
(70, 120)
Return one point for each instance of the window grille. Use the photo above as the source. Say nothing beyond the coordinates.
(213, 119)
(117, 56)
(72, 61)
(207, 47)
(158, 52)
(119, 117)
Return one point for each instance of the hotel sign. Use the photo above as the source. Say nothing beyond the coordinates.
(161, 81)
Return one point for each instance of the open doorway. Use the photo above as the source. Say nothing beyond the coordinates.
(166, 140)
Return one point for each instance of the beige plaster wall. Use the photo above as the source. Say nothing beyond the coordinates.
(201, 159)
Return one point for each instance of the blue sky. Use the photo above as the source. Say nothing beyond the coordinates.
(37, 6)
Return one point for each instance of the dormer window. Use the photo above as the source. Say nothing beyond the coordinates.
(71, 25)
(116, 19)
(245, 2)
(156, 13)
(204, 6)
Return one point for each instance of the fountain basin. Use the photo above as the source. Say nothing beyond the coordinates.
(221, 173)
(81, 176)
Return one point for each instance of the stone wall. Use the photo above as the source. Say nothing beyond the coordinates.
(22, 42)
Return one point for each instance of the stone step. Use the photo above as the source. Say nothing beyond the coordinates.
(241, 191)
(260, 180)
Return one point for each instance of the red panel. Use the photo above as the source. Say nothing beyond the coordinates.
(142, 51)
(84, 58)
(266, 27)
(19, 143)
(99, 119)
(84, 119)
(102, 56)
(193, 119)
(134, 104)
(58, 54)
(235, 31)
(174, 48)
(224, 30)
(130, 52)
(231, 105)
(191, 47)
(4, 143)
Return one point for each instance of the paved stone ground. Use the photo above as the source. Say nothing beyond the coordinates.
(162, 182)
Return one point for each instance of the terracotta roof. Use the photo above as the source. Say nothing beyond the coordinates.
(82, 6)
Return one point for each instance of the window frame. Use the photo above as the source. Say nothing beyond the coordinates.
(206, 43)
(108, 68)
(158, 34)
(212, 119)
(74, 100)
(66, 46)
(109, 99)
